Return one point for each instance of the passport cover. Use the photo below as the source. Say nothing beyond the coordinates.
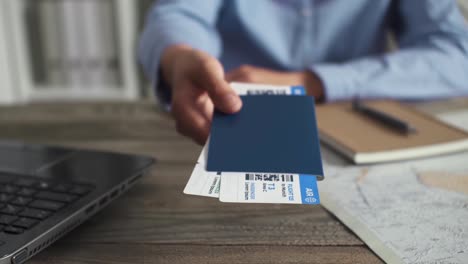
(275, 134)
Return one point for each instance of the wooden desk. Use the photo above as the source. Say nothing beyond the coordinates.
(155, 222)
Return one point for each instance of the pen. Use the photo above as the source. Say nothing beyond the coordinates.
(384, 118)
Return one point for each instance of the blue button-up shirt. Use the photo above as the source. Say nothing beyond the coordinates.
(342, 41)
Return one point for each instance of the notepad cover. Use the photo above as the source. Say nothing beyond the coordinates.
(363, 140)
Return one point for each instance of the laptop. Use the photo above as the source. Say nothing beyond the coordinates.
(45, 192)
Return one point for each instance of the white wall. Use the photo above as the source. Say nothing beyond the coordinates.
(6, 88)
(464, 7)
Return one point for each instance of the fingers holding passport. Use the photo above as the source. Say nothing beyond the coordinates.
(210, 77)
(193, 111)
(198, 86)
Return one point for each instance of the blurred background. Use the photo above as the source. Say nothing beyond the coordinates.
(70, 50)
(73, 50)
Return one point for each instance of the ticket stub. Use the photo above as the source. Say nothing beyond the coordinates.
(202, 182)
(268, 188)
(263, 89)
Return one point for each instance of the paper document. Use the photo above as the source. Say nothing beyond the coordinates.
(408, 212)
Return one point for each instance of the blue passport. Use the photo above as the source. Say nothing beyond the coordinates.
(271, 134)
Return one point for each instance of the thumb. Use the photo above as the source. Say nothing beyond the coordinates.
(211, 79)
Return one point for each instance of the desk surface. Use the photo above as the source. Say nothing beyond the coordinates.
(155, 222)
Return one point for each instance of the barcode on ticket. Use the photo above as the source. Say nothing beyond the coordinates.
(269, 177)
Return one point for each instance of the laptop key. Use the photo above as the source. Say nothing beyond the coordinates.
(35, 213)
(60, 197)
(10, 209)
(25, 222)
(25, 182)
(13, 230)
(26, 191)
(8, 188)
(46, 205)
(44, 185)
(5, 178)
(5, 197)
(80, 190)
(7, 219)
(62, 187)
(21, 201)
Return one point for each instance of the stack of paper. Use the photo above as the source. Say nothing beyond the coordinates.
(413, 211)
(269, 152)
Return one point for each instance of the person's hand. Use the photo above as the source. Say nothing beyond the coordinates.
(198, 86)
(252, 74)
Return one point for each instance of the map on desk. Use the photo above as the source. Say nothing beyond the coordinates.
(407, 212)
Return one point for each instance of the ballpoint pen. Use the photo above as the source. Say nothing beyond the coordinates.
(383, 118)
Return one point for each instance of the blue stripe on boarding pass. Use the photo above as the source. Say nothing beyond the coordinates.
(309, 190)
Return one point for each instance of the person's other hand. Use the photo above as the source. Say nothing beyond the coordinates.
(252, 74)
(198, 86)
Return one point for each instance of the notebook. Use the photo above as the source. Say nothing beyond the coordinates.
(363, 140)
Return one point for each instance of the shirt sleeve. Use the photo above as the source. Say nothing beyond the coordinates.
(431, 62)
(170, 22)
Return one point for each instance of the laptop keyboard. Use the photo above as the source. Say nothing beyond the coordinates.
(26, 201)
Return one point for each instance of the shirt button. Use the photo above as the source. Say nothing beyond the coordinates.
(306, 12)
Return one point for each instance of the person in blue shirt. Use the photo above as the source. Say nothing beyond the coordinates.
(337, 49)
